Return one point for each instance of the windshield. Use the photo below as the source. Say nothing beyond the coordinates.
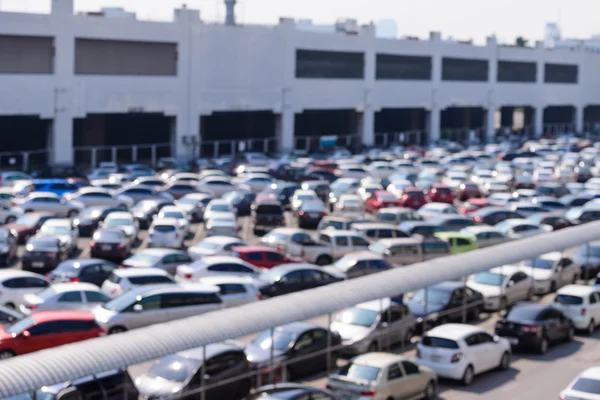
(387, 197)
(276, 238)
(433, 296)
(568, 299)
(281, 340)
(490, 278)
(358, 316)
(175, 368)
(359, 372)
(19, 326)
(27, 220)
(540, 263)
(219, 207)
(587, 385)
(122, 302)
(345, 263)
(386, 217)
(55, 230)
(117, 222)
(591, 251)
(188, 200)
(91, 213)
(171, 214)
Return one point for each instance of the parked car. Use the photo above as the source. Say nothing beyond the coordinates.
(535, 326)
(405, 251)
(397, 215)
(377, 230)
(458, 242)
(47, 329)
(121, 280)
(14, 284)
(50, 202)
(165, 232)
(185, 371)
(412, 198)
(234, 290)
(216, 265)
(440, 193)
(111, 244)
(262, 256)
(214, 246)
(43, 254)
(123, 220)
(63, 230)
(374, 325)
(289, 278)
(90, 218)
(588, 258)
(361, 263)
(393, 376)
(551, 271)
(8, 247)
(28, 225)
(166, 259)
(461, 351)
(267, 215)
(222, 224)
(92, 196)
(381, 199)
(583, 387)
(153, 304)
(91, 270)
(485, 235)
(63, 296)
(310, 213)
(303, 341)
(502, 286)
(581, 304)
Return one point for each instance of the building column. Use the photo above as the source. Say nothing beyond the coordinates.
(579, 114)
(185, 135)
(284, 130)
(366, 126)
(490, 124)
(434, 120)
(539, 121)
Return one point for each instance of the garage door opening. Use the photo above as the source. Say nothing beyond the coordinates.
(227, 133)
(311, 126)
(404, 126)
(463, 124)
(123, 138)
(25, 141)
(559, 119)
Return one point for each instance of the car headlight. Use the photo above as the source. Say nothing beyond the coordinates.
(76, 222)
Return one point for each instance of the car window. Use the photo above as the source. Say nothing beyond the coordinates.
(223, 362)
(484, 337)
(70, 297)
(96, 297)
(231, 288)
(91, 270)
(149, 303)
(462, 242)
(358, 241)
(435, 248)
(410, 368)
(272, 256)
(305, 340)
(292, 277)
(314, 276)
(394, 372)
(341, 241)
(254, 256)
(472, 340)
(45, 328)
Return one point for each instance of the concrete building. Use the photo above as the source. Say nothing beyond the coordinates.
(71, 85)
(555, 40)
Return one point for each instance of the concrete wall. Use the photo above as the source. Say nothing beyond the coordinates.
(237, 68)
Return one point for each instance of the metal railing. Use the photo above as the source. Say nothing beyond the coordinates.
(229, 148)
(464, 135)
(29, 372)
(92, 156)
(24, 160)
(313, 143)
(404, 138)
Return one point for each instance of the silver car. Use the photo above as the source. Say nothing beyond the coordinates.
(166, 259)
(234, 290)
(50, 202)
(94, 196)
(64, 296)
(374, 325)
(147, 305)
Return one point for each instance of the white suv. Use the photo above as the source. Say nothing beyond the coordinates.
(580, 303)
(15, 284)
(122, 280)
(166, 232)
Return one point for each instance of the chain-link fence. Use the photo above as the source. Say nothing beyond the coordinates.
(92, 156)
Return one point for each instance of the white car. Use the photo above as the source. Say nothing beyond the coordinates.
(9, 178)
(581, 304)
(9, 213)
(432, 210)
(179, 214)
(502, 286)
(584, 387)
(64, 296)
(41, 201)
(15, 284)
(397, 187)
(551, 271)
(234, 290)
(217, 186)
(516, 228)
(217, 206)
(349, 204)
(166, 233)
(214, 246)
(366, 191)
(222, 224)
(63, 230)
(216, 265)
(123, 279)
(256, 182)
(301, 196)
(461, 351)
(124, 220)
(93, 196)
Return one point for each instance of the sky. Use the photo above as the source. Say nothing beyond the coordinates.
(459, 19)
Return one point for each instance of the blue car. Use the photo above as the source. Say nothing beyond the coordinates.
(56, 186)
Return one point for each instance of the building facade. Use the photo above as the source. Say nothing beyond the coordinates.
(70, 82)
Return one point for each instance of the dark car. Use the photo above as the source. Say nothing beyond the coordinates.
(582, 174)
(178, 189)
(290, 391)
(289, 173)
(532, 326)
(289, 278)
(553, 189)
(88, 220)
(43, 254)
(109, 385)
(320, 187)
(91, 270)
(583, 215)
(8, 247)
(267, 215)
(282, 191)
(443, 302)
(311, 213)
(576, 200)
(422, 228)
(241, 201)
(27, 225)
(184, 372)
(494, 215)
(111, 244)
(292, 347)
(452, 223)
(144, 211)
(555, 219)
(9, 315)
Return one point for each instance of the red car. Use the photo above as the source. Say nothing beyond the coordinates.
(472, 205)
(261, 256)
(412, 197)
(440, 194)
(468, 190)
(28, 224)
(381, 199)
(46, 329)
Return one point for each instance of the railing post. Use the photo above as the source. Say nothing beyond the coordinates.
(271, 357)
(215, 149)
(25, 161)
(329, 343)
(265, 145)
(94, 157)
(134, 153)
(113, 154)
(464, 301)
(385, 140)
(153, 155)
(203, 374)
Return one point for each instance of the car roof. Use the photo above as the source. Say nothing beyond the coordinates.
(83, 262)
(395, 210)
(210, 260)
(375, 305)
(591, 373)
(506, 269)
(74, 286)
(372, 225)
(120, 214)
(338, 232)
(454, 331)
(169, 288)
(43, 316)
(474, 229)
(250, 249)
(58, 222)
(17, 273)
(376, 359)
(127, 272)
(364, 255)
(160, 251)
(220, 279)
(209, 350)
(220, 240)
(577, 290)
(457, 235)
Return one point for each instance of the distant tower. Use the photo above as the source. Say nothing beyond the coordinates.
(386, 28)
(230, 16)
(552, 35)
